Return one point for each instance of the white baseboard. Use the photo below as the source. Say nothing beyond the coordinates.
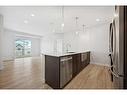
(102, 64)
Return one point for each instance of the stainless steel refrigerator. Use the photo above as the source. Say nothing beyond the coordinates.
(117, 48)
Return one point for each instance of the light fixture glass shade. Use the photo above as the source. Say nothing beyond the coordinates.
(97, 19)
(77, 27)
(83, 27)
(76, 32)
(32, 15)
(62, 24)
(62, 20)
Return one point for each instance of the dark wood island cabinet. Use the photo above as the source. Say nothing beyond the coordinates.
(61, 69)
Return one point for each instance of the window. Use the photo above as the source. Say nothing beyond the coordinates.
(22, 48)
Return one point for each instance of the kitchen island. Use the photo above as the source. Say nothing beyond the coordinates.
(60, 68)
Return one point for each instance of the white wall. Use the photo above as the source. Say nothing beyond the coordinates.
(78, 42)
(99, 44)
(8, 45)
(36, 51)
(70, 41)
(9, 37)
(58, 42)
(1, 32)
(50, 43)
(94, 39)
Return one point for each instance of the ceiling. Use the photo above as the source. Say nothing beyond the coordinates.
(47, 20)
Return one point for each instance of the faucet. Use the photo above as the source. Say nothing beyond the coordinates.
(67, 47)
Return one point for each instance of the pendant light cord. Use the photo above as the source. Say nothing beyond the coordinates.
(83, 27)
(76, 20)
(63, 13)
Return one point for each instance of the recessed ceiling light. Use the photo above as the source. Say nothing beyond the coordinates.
(25, 21)
(62, 24)
(115, 15)
(76, 32)
(32, 15)
(97, 19)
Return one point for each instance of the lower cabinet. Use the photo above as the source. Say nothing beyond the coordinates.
(52, 71)
(76, 64)
(85, 59)
(80, 61)
(59, 71)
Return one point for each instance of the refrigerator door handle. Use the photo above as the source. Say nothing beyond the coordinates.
(114, 42)
(114, 73)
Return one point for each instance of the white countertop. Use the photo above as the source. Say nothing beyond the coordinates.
(58, 54)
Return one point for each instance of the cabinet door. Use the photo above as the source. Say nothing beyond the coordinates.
(52, 71)
(85, 59)
(76, 64)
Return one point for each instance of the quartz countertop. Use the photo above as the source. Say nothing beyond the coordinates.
(58, 54)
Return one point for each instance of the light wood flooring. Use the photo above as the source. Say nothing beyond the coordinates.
(23, 73)
(26, 73)
(92, 77)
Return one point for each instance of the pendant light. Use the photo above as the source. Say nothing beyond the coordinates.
(76, 18)
(83, 27)
(62, 25)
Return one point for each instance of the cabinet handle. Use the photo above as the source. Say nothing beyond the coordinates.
(66, 59)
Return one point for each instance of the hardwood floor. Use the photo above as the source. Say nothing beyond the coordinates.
(92, 77)
(26, 73)
(23, 73)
